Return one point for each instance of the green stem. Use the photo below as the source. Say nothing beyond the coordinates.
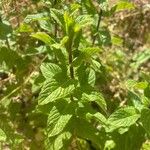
(70, 63)
(70, 57)
(7, 43)
(70, 53)
(97, 27)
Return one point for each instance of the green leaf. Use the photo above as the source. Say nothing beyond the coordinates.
(109, 145)
(5, 29)
(90, 8)
(42, 36)
(139, 58)
(85, 55)
(69, 24)
(57, 15)
(145, 76)
(130, 84)
(95, 97)
(123, 117)
(85, 111)
(141, 85)
(49, 70)
(2, 135)
(90, 51)
(123, 5)
(36, 17)
(146, 145)
(145, 119)
(25, 28)
(46, 25)
(57, 123)
(60, 125)
(53, 117)
(117, 41)
(84, 20)
(104, 36)
(64, 40)
(48, 86)
(10, 57)
(42, 18)
(135, 100)
(100, 117)
(85, 130)
(59, 93)
(74, 8)
(91, 77)
(61, 142)
(96, 65)
(147, 91)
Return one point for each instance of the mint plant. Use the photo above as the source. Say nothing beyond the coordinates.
(68, 89)
(56, 72)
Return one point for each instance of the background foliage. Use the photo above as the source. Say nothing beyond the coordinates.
(74, 75)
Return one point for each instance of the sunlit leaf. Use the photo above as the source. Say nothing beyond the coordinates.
(50, 69)
(44, 37)
(123, 117)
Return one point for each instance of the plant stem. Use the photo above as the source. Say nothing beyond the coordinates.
(70, 63)
(70, 57)
(97, 27)
(7, 43)
(69, 47)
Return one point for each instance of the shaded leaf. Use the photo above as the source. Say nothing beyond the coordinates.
(85, 130)
(145, 119)
(5, 29)
(95, 97)
(2, 135)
